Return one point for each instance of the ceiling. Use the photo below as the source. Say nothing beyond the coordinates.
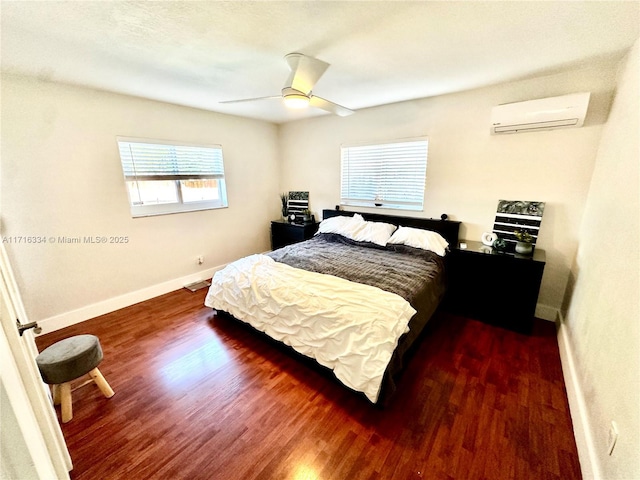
(201, 53)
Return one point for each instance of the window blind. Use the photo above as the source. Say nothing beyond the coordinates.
(390, 175)
(162, 177)
(156, 161)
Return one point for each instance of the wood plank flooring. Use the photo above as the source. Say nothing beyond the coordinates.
(203, 397)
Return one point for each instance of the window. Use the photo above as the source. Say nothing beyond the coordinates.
(164, 177)
(390, 175)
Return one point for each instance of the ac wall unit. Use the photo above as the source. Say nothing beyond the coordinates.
(543, 114)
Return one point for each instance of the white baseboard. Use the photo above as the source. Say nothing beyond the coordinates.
(579, 416)
(112, 304)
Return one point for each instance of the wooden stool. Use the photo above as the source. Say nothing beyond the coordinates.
(68, 360)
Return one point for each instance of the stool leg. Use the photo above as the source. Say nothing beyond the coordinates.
(65, 401)
(56, 394)
(103, 385)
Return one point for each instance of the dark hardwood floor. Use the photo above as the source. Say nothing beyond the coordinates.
(204, 397)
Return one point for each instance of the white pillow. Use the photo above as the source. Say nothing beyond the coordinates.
(417, 238)
(342, 225)
(374, 232)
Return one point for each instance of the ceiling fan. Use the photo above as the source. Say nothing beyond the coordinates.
(296, 93)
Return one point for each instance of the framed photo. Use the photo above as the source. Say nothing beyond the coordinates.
(520, 216)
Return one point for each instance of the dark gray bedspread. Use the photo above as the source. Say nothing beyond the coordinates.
(416, 275)
(405, 271)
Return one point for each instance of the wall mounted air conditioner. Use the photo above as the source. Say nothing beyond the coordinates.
(543, 114)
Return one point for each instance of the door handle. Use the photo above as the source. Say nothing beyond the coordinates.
(27, 326)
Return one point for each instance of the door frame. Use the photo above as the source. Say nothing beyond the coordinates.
(29, 396)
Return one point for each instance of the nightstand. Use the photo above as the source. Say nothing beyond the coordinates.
(283, 233)
(498, 288)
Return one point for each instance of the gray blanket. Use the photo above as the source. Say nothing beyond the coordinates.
(405, 271)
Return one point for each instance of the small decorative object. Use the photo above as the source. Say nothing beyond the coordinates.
(524, 248)
(444, 216)
(284, 198)
(298, 202)
(488, 238)
(523, 245)
(499, 244)
(306, 215)
(292, 218)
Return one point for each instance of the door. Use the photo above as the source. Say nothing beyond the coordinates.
(38, 450)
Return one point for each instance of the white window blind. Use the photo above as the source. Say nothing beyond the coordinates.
(164, 177)
(390, 175)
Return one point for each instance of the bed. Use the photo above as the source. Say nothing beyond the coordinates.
(354, 298)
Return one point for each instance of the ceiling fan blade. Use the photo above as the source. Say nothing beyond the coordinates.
(305, 72)
(251, 99)
(339, 110)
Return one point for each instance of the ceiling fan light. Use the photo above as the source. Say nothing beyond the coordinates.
(296, 100)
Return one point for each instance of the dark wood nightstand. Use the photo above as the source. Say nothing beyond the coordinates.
(283, 233)
(498, 288)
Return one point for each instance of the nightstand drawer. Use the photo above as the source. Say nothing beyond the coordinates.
(498, 288)
(283, 234)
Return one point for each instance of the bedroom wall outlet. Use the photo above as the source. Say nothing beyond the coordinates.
(200, 259)
(612, 438)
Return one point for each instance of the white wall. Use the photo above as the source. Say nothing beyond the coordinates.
(468, 169)
(602, 327)
(61, 176)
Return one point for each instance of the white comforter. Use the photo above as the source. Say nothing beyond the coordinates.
(348, 327)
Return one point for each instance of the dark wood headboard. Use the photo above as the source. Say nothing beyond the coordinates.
(449, 229)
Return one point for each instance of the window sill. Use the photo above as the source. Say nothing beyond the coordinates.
(169, 209)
